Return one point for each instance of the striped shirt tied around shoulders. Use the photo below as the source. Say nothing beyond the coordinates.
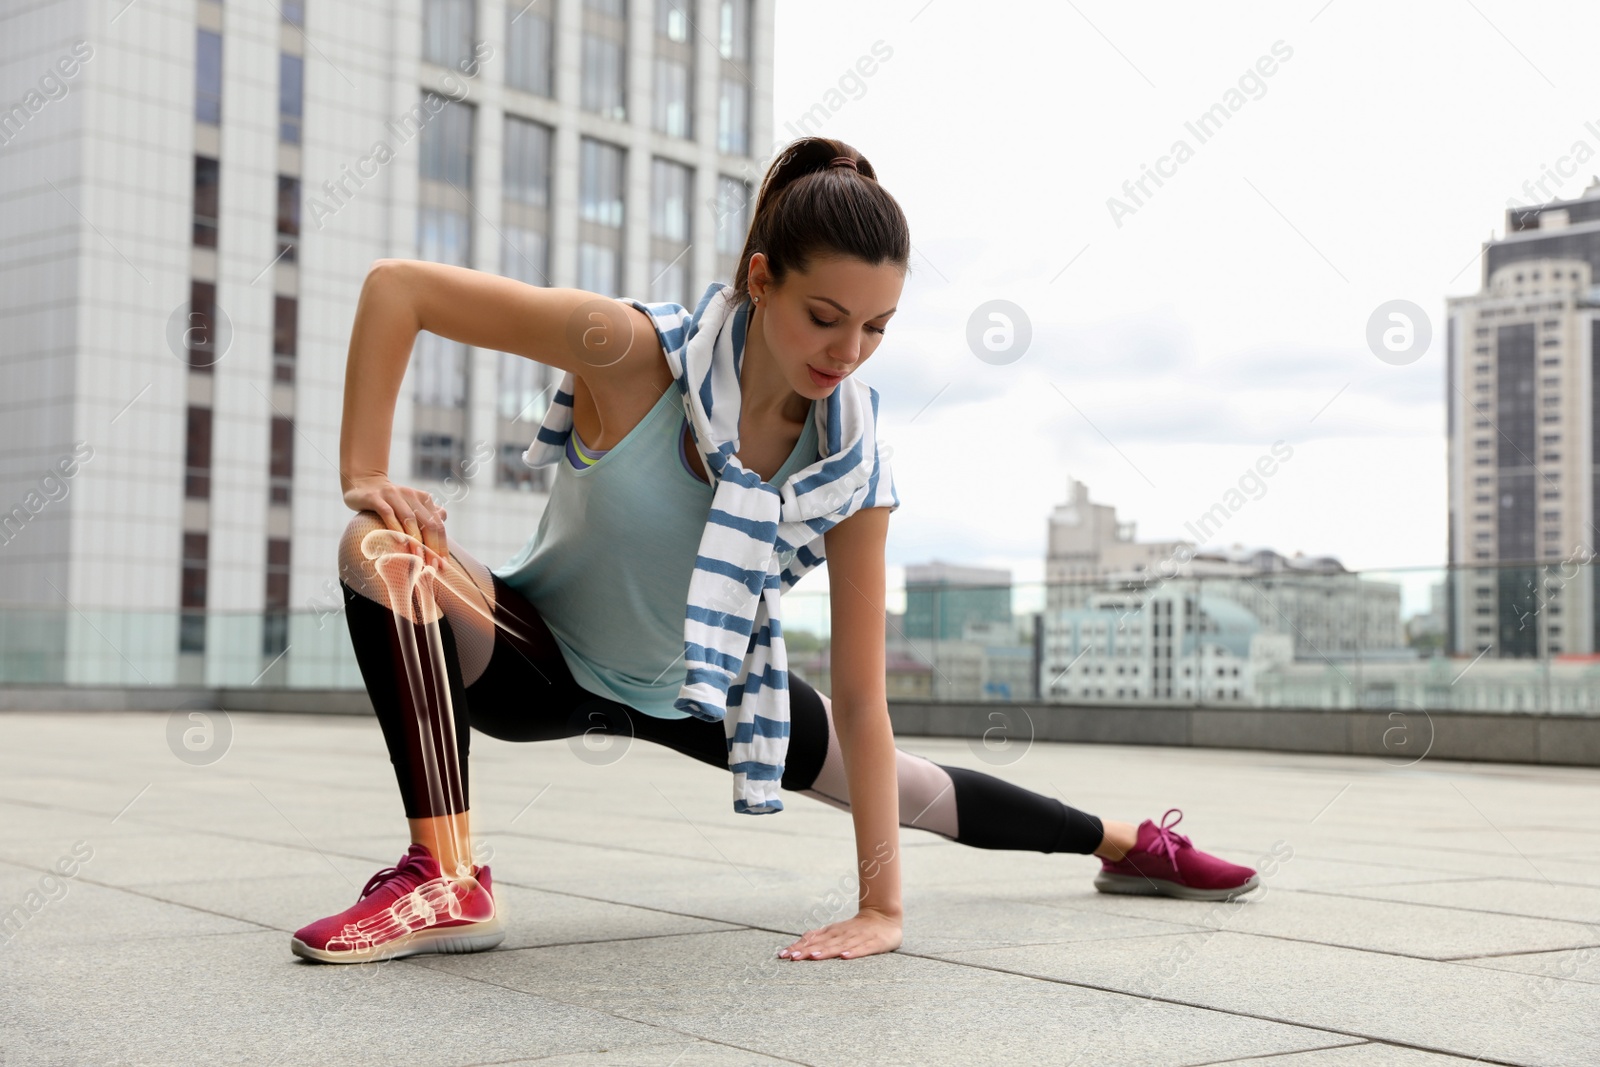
(759, 539)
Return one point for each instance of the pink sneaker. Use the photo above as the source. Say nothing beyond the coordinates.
(405, 910)
(1165, 863)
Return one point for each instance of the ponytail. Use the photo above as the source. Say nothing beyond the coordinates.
(808, 207)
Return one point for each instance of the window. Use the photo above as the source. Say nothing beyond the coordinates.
(526, 212)
(528, 46)
(194, 569)
(277, 580)
(447, 32)
(522, 400)
(733, 37)
(600, 210)
(527, 162)
(208, 77)
(440, 366)
(526, 255)
(281, 470)
(294, 12)
(443, 236)
(522, 396)
(291, 76)
(441, 371)
(671, 107)
(597, 269)
(205, 202)
(446, 146)
(288, 216)
(669, 201)
(201, 334)
(600, 183)
(733, 222)
(672, 102)
(197, 454)
(603, 85)
(192, 594)
(435, 456)
(670, 195)
(285, 317)
(275, 632)
(733, 94)
(672, 19)
(733, 117)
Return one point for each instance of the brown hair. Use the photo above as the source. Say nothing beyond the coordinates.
(808, 206)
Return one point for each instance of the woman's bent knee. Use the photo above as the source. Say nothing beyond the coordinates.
(366, 542)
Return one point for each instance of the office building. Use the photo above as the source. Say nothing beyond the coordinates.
(1521, 390)
(194, 194)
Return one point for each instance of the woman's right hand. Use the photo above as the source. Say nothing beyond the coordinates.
(405, 510)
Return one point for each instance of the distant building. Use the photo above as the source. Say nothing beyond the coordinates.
(1179, 642)
(1520, 368)
(942, 598)
(1086, 541)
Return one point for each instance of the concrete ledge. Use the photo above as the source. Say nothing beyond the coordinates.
(1399, 736)
(180, 698)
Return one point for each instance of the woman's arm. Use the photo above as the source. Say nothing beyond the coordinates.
(855, 549)
(603, 340)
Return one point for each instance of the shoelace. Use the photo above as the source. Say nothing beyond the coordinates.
(1167, 840)
(407, 862)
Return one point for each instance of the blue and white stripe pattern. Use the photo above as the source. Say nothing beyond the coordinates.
(759, 539)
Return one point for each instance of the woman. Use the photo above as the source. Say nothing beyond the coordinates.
(587, 628)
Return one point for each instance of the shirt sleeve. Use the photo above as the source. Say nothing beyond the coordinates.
(881, 492)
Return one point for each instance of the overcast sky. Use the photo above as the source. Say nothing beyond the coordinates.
(1174, 344)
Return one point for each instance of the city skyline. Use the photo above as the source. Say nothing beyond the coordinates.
(1229, 310)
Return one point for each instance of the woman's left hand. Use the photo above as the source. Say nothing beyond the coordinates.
(868, 933)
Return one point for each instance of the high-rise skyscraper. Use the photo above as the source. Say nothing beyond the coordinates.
(1522, 390)
(189, 204)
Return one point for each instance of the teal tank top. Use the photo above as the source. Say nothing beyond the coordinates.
(608, 568)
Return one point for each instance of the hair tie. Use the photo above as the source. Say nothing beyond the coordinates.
(844, 161)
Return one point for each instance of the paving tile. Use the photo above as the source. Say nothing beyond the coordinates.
(885, 1009)
(1355, 922)
(164, 857)
(941, 920)
(1444, 1007)
(533, 917)
(1507, 896)
(1576, 965)
(244, 1000)
(1364, 1054)
(45, 913)
(683, 1052)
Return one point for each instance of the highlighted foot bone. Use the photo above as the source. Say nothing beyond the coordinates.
(429, 904)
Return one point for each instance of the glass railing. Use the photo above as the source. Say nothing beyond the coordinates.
(1507, 639)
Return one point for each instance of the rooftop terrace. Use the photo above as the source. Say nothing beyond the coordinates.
(1437, 913)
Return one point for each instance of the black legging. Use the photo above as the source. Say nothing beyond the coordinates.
(522, 690)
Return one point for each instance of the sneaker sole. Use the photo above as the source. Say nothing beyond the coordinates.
(479, 937)
(1107, 882)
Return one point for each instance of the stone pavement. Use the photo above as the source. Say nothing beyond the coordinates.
(1432, 914)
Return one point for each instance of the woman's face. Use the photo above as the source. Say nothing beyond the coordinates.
(823, 323)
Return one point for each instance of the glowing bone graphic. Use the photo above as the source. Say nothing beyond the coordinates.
(431, 903)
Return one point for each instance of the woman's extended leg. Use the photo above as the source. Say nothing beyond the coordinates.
(964, 805)
(974, 808)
